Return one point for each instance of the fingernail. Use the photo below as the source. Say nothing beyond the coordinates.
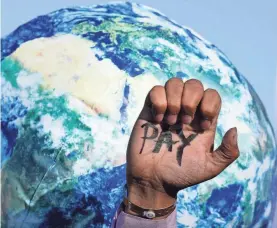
(171, 119)
(205, 124)
(159, 117)
(186, 119)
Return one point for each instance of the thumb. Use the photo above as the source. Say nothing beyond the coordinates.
(228, 151)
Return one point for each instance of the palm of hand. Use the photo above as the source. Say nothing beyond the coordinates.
(176, 158)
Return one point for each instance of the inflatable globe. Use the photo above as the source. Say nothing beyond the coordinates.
(73, 83)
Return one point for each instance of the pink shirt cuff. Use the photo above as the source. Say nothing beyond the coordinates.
(124, 220)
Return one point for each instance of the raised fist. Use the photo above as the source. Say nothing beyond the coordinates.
(171, 145)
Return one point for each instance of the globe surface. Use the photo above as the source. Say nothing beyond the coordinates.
(73, 82)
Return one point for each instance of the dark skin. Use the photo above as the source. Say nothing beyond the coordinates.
(176, 150)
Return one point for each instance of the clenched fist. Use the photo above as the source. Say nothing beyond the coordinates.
(171, 145)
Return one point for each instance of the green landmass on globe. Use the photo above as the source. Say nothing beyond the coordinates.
(73, 83)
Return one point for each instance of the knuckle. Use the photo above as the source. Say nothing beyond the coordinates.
(213, 93)
(157, 98)
(195, 83)
(156, 88)
(211, 103)
(174, 87)
(174, 81)
(156, 92)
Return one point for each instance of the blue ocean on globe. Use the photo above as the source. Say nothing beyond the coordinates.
(73, 83)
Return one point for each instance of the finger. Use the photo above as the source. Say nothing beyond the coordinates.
(228, 151)
(191, 97)
(173, 89)
(210, 108)
(155, 105)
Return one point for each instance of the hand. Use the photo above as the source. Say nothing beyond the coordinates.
(171, 145)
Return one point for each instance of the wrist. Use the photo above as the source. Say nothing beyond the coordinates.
(148, 198)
